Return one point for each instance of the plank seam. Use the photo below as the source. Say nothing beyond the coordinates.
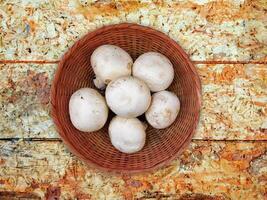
(59, 140)
(194, 61)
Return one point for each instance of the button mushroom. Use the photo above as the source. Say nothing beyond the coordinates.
(88, 110)
(163, 110)
(127, 134)
(128, 96)
(155, 69)
(110, 62)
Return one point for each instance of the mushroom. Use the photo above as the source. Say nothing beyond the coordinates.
(163, 110)
(110, 62)
(127, 134)
(88, 110)
(128, 96)
(155, 70)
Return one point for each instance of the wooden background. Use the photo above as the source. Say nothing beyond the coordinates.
(227, 40)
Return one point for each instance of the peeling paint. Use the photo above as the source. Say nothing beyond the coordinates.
(234, 101)
(207, 170)
(210, 30)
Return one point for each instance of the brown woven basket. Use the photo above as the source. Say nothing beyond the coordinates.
(162, 146)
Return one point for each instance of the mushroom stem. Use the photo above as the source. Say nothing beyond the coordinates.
(99, 83)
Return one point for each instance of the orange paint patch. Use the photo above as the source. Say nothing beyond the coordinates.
(226, 76)
(244, 155)
(230, 73)
(33, 25)
(215, 11)
(260, 104)
(219, 11)
(107, 9)
(2, 161)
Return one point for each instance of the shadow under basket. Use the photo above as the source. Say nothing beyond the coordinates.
(95, 149)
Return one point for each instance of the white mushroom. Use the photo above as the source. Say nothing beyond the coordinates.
(163, 110)
(128, 96)
(88, 110)
(127, 134)
(110, 62)
(155, 69)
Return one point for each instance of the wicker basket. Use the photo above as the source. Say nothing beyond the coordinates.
(162, 146)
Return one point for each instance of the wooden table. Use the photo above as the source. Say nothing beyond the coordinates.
(227, 41)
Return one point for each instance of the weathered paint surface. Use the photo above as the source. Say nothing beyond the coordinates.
(207, 170)
(24, 101)
(207, 30)
(234, 101)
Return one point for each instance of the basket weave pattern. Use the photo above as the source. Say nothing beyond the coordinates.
(75, 71)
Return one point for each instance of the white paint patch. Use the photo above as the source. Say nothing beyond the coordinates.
(51, 30)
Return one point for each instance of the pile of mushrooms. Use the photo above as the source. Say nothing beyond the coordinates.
(128, 86)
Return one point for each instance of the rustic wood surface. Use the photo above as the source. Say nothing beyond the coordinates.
(234, 101)
(207, 170)
(206, 29)
(227, 40)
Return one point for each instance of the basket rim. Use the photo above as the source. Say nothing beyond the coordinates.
(53, 94)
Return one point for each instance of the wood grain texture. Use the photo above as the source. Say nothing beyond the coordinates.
(210, 170)
(234, 101)
(207, 30)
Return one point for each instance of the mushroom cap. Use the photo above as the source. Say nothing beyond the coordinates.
(163, 110)
(88, 110)
(128, 96)
(127, 134)
(155, 69)
(110, 62)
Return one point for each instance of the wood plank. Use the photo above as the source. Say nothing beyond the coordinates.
(210, 170)
(207, 30)
(234, 101)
